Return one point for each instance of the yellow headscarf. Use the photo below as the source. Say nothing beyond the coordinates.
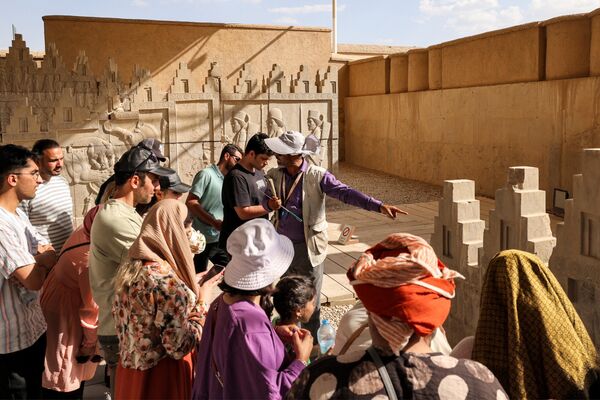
(529, 334)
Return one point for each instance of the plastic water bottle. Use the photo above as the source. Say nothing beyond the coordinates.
(325, 336)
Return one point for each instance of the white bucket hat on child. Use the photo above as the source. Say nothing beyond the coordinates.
(293, 143)
(259, 255)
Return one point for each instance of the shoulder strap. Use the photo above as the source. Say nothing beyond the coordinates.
(72, 247)
(353, 337)
(385, 377)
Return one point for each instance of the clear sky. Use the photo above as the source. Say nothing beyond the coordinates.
(392, 22)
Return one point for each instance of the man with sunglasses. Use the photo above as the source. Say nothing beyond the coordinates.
(115, 228)
(205, 204)
(26, 259)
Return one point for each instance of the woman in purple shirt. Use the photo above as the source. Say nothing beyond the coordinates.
(240, 354)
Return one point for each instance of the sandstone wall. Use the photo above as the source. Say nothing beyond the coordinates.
(470, 108)
(160, 46)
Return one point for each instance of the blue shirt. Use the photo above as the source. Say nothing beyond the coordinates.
(207, 186)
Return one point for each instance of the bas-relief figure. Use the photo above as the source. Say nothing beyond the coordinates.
(136, 135)
(239, 126)
(275, 123)
(242, 129)
(90, 165)
(314, 121)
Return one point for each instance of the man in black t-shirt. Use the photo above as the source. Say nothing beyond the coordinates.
(244, 187)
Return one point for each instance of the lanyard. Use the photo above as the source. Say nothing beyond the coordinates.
(294, 185)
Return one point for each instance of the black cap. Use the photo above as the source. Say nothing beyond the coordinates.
(155, 145)
(142, 159)
(174, 183)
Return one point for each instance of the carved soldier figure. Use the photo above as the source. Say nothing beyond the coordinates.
(239, 126)
(315, 121)
(275, 125)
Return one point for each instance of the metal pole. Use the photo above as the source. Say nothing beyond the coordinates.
(334, 29)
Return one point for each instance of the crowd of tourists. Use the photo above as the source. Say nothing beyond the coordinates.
(133, 287)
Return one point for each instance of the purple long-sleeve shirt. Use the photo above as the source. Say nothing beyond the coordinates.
(294, 229)
(247, 352)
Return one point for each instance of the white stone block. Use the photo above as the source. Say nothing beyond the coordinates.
(459, 190)
(523, 178)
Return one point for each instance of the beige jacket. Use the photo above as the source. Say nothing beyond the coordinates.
(313, 211)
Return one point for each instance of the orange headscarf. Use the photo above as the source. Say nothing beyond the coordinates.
(404, 286)
(163, 238)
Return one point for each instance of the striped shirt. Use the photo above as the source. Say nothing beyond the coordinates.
(51, 211)
(21, 319)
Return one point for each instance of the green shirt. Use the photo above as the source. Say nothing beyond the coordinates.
(207, 186)
(115, 227)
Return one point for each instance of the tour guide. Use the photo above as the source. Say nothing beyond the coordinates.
(301, 188)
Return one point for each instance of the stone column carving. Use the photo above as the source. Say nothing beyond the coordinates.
(519, 220)
(457, 238)
(576, 259)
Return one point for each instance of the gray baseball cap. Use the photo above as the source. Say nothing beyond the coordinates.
(155, 145)
(142, 159)
(173, 182)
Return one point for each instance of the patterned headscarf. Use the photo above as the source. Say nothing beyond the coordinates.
(163, 237)
(404, 286)
(529, 334)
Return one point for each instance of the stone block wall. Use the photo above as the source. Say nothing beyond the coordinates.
(418, 70)
(160, 46)
(576, 258)
(519, 220)
(399, 73)
(369, 76)
(457, 238)
(472, 107)
(463, 244)
(568, 47)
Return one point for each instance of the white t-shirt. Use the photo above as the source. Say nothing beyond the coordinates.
(21, 319)
(51, 211)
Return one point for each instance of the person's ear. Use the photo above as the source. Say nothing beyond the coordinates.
(11, 180)
(135, 181)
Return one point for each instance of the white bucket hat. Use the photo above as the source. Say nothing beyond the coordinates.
(293, 143)
(259, 255)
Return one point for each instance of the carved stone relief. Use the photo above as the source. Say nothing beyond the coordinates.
(96, 118)
(275, 122)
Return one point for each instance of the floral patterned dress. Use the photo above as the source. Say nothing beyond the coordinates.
(155, 335)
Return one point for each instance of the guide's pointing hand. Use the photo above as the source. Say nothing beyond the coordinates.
(391, 211)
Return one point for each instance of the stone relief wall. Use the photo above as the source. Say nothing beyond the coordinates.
(97, 118)
(518, 221)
